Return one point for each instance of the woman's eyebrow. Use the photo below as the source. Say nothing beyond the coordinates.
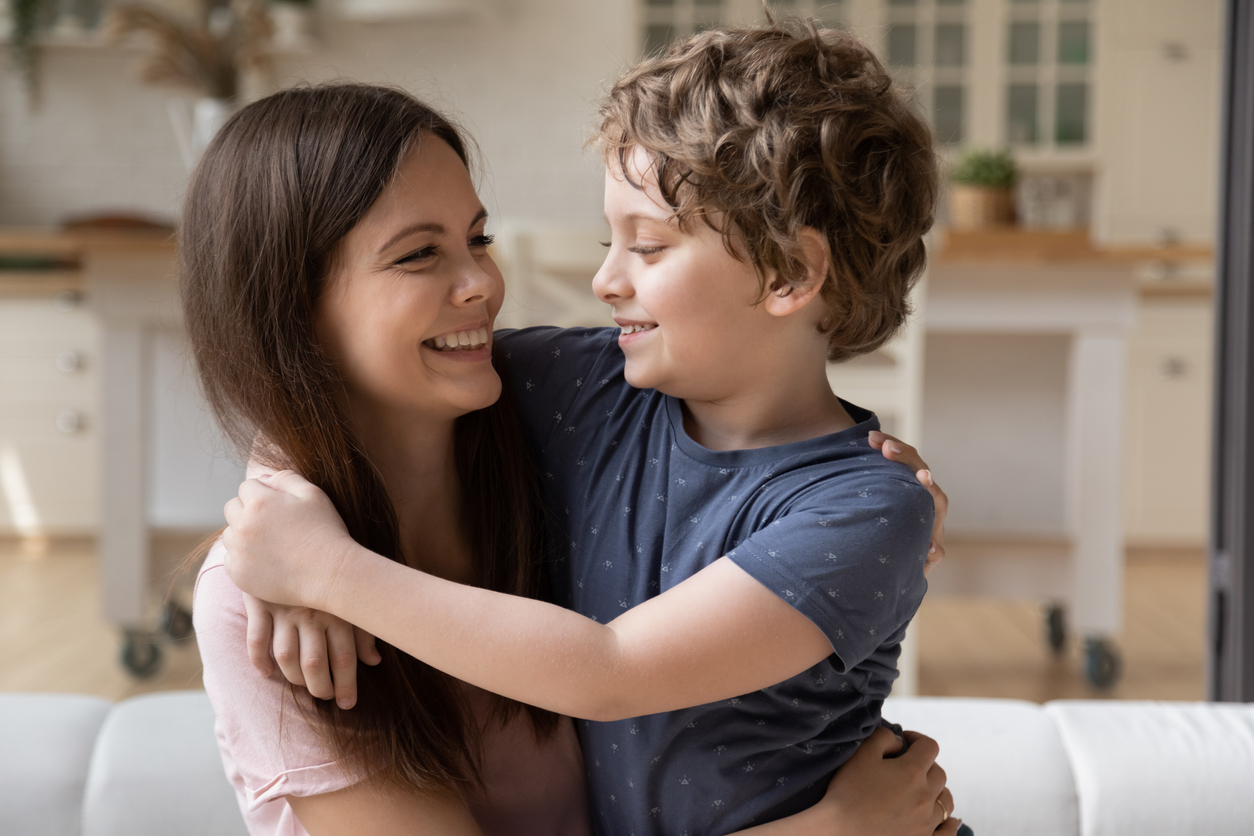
(412, 229)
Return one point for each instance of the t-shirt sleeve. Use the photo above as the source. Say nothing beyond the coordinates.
(546, 367)
(850, 559)
(263, 728)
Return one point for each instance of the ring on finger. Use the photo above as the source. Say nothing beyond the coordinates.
(944, 812)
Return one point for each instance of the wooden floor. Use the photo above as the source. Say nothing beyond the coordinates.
(53, 638)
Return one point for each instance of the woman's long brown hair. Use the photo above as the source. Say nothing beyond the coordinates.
(277, 190)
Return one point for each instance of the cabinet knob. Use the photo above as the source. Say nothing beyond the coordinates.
(1171, 368)
(69, 361)
(69, 421)
(67, 300)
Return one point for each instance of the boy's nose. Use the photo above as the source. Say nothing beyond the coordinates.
(609, 283)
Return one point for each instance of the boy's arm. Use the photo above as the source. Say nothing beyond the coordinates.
(717, 635)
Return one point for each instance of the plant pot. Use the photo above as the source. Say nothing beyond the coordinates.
(980, 207)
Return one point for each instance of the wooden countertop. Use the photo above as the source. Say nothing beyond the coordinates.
(1170, 271)
(63, 253)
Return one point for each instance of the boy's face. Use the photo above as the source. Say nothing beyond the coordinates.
(691, 324)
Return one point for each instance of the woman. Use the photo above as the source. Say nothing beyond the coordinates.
(339, 297)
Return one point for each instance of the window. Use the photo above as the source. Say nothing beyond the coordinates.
(1048, 55)
(666, 20)
(828, 13)
(926, 46)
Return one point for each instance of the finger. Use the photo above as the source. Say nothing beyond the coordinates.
(313, 660)
(877, 438)
(260, 631)
(232, 510)
(881, 743)
(947, 800)
(287, 651)
(289, 481)
(367, 650)
(936, 779)
(342, 648)
(923, 750)
(899, 451)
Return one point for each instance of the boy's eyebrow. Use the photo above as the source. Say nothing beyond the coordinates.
(438, 229)
(643, 216)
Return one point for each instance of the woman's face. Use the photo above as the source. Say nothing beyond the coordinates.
(410, 281)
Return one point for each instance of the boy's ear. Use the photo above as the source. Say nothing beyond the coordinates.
(785, 299)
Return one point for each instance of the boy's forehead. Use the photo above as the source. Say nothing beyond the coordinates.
(636, 188)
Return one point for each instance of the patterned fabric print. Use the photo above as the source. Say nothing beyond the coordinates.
(828, 524)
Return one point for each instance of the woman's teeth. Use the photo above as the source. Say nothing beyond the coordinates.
(459, 341)
(635, 329)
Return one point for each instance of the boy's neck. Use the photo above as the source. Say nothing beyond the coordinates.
(782, 410)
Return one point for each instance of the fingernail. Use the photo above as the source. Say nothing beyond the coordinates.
(346, 704)
(893, 447)
(932, 550)
(927, 477)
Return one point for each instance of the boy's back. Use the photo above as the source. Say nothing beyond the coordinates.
(828, 524)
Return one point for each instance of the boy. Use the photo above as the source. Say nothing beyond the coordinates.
(741, 563)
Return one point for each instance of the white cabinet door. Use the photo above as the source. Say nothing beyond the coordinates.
(48, 447)
(1168, 424)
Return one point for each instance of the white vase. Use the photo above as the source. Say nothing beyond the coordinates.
(196, 125)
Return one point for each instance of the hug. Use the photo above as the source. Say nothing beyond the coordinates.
(650, 579)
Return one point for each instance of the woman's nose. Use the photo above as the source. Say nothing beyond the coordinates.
(476, 283)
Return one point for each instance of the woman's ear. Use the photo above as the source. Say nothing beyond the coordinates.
(786, 299)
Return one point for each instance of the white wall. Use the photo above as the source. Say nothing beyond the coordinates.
(524, 84)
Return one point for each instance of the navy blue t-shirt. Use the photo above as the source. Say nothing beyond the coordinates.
(828, 524)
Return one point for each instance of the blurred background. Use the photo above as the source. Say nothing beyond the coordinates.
(1056, 376)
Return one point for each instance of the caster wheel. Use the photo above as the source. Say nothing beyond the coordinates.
(1056, 628)
(176, 622)
(141, 656)
(1102, 664)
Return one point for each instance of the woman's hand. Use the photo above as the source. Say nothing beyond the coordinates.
(898, 451)
(285, 542)
(874, 793)
(311, 648)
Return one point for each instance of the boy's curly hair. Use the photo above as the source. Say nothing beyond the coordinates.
(773, 130)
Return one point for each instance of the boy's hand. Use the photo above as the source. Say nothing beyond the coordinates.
(899, 451)
(873, 794)
(285, 542)
(311, 648)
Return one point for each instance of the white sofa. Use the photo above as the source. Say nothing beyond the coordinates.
(149, 766)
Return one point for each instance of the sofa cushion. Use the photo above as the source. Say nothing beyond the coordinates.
(45, 742)
(1160, 768)
(1006, 765)
(156, 770)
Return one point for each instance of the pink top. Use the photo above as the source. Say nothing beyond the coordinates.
(269, 752)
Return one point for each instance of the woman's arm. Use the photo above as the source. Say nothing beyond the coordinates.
(373, 807)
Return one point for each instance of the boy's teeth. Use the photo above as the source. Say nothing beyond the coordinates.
(459, 340)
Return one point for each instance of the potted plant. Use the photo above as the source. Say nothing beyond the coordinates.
(206, 56)
(982, 190)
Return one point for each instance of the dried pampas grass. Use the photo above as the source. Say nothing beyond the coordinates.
(207, 55)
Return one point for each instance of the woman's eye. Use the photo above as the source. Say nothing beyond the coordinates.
(424, 254)
(481, 241)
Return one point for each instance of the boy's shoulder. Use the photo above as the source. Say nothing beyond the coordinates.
(545, 344)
